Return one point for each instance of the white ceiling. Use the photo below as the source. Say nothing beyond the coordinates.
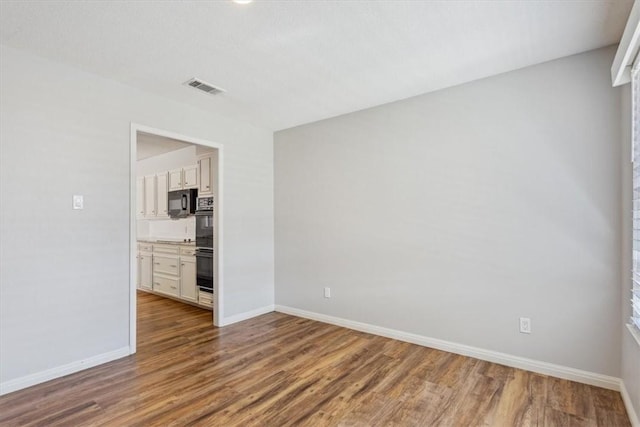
(285, 63)
(149, 145)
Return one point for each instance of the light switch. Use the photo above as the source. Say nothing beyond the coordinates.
(78, 202)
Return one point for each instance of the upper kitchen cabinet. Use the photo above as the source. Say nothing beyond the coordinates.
(175, 179)
(190, 177)
(206, 171)
(140, 197)
(183, 178)
(161, 195)
(150, 195)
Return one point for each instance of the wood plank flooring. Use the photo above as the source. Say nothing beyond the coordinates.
(279, 370)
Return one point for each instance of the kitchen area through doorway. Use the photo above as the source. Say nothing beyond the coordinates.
(176, 219)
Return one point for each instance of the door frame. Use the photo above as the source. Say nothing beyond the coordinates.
(218, 296)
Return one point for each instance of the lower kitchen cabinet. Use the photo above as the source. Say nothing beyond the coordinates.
(166, 285)
(145, 267)
(166, 264)
(205, 299)
(188, 289)
(166, 269)
(169, 269)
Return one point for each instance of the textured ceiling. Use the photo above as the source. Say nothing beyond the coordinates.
(285, 63)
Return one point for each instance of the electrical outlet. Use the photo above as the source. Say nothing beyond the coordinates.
(327, 292)
(525, 325)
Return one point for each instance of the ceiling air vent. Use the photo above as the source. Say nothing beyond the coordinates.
(205, 87)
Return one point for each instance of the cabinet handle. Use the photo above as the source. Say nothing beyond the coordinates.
(182, 264)
(156, 283)
(173, 287)
(156, 263)
(207, 186)
(173, 266)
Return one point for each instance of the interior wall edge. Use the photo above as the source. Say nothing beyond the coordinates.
(626, 398)
(235, 318)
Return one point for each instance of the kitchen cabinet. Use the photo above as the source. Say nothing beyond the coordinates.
(169, 269)
(145, 267)
(140, 197)
(162, 202)
(175, 179)
(166, 264)
(205, 299)
(166, 259)
(183, 178)
(190, 177)
(205, 173)
(166, 285)
(150, 196)
(166, 269)
(188, 288)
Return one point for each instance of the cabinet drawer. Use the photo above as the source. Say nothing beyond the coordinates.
(166, 249)
(166, 264)
(187, 250)
(205, 298)
(145, 247)
(166, 285)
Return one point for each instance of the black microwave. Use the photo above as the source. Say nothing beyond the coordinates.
(182, 203)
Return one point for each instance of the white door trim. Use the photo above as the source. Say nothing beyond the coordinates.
(218, 298)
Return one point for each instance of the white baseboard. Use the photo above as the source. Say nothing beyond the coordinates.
(61, 371)
(545, 368)
(247, 315)
(633, 416)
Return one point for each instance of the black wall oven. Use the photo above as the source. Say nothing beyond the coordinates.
(204, 243)
(204, 269)
(204, 229)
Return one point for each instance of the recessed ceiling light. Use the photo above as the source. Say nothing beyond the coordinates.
(242, 1)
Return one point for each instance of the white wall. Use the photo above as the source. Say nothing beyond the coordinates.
(452, 214)
(630, 371)
(64, 276)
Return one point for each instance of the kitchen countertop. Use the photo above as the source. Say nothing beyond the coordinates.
(166, 241)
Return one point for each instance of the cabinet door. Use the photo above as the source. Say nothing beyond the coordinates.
(188, 289)
(204, 173)
(145, 271)
(140, 197)
(150, 196)
(161, 196)
(190, 177)
(175, 179)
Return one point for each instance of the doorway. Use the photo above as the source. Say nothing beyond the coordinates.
(215, 169)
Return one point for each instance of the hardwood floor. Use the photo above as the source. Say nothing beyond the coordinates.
(279, 370)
